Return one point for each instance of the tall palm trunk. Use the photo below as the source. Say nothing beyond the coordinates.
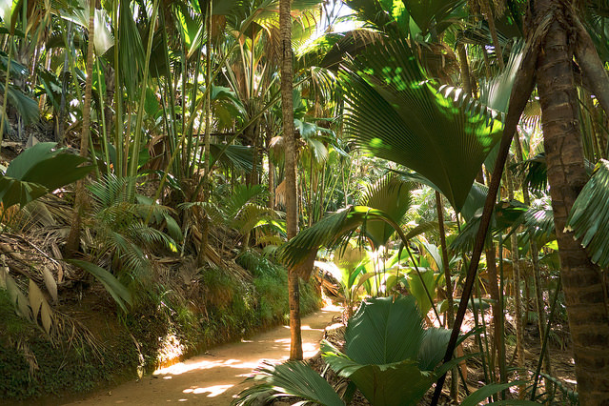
(73, 240)
(585, 293)
(285, 22)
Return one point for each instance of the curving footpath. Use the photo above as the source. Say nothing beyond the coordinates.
(215, 378)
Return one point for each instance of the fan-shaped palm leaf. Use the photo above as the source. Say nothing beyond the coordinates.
(384, 331)
(395, 112)
(294, 379)
(589, 217)
(392, 196)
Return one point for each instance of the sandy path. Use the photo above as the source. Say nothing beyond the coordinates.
(215, 378)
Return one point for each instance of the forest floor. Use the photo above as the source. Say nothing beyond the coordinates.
(216, 377)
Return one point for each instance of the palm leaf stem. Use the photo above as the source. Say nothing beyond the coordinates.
(193, 106)
(484, 350)
(545, 339)
(103, 119)
(523, 86)
(171, 123)
(118, 94)
(11, 46)
(416, 268)
(137, 135)
(183, 137)
(501, 304)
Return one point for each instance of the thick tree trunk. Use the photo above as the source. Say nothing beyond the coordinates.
(585, 293)
(285, 22)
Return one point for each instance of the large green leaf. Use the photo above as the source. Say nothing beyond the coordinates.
(385, 349)
(25, 105)
(415, 284)
(432, 14)
(384, 331)
(396, 384)
(398, 114)
(37, 171)
(589, 217)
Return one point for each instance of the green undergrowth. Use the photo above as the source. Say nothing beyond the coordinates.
(168, 324)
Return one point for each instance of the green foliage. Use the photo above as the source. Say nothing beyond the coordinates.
(333, 230)
(119, 293)
(396, 113)
(121, 231)
(386, 346)
(392, 196)
(270, 282)
(589, 217)
(38, 171)
(295, 379)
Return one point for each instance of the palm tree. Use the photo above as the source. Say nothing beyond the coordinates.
(287, 103)
(583, 283)
(548, 62)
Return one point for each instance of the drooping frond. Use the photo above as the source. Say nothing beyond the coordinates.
(332, 230)
(396, 113)
(589, 217)
(539, 220)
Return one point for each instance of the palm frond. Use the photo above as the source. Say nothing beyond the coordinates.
(117, 290)
(333, 230)
(293, 379)
(242, 195)
(397, 113)
(392, 196)
(109, 191)
(433, 348)
(589, 217)
(539, 220)
(250, 216)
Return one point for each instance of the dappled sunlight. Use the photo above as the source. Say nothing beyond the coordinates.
(181, 368)
(308, 349)
(212, 391)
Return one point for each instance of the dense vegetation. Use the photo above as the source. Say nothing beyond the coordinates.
(162, 156)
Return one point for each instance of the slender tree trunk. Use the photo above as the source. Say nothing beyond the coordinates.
(450, 313)
(464, 66)
(206, 184)
(285, 22)
(585, 290)
(64, 84)
(497, 352)
(539, 303)
(73, 240)
(517, 292)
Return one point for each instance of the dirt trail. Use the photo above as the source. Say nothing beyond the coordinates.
(215, 378)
